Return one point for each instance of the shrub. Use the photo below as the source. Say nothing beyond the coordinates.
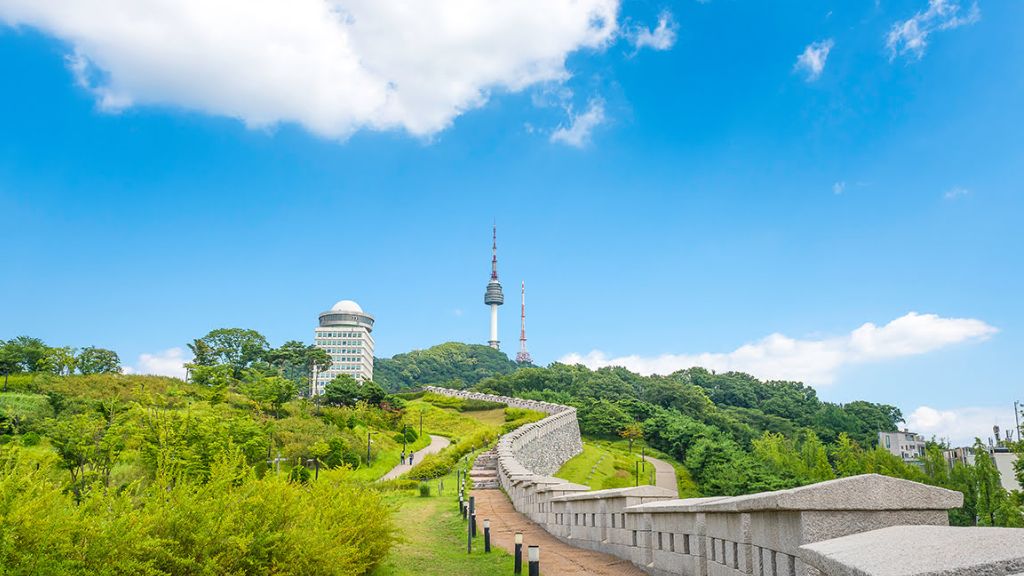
(424, 490)
(513, 414)
(233, 524)
(442, 463)
(30, 439)
(472, 405)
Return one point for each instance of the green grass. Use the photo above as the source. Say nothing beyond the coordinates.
(444, 421)
(434, 538)
(604, 464)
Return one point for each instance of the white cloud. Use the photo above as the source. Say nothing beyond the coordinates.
(815, 362)
(961, 425)
(838, 188)
(812, 60)
(577, 133)
(170, 362)
(333, 66)
(910, 37)
(956, 192)
(663, 37)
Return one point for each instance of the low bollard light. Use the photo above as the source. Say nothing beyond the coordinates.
(533, 555)
(519, 554)
(465, 510)
(487, 535)
(472, 524)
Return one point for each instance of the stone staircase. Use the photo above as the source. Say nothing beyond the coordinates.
(484, 473)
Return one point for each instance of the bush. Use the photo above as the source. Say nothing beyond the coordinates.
(442, 463)
(233, 524)
(513, 414)
(424, 490)
(473, 405)
(30, 439)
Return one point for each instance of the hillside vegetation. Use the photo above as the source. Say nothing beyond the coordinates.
(118, 474)
(452, 364)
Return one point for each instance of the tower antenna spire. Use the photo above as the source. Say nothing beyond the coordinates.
(494, 252)
(523, 357)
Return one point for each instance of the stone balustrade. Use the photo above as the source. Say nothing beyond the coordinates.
(868, 525)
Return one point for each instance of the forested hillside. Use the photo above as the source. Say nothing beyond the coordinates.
(736, 434)
(454, 364)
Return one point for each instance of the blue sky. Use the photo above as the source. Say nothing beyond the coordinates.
(675, 181)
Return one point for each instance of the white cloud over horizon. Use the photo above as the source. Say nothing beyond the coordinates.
(581, 126)
(812, 60)
(662, 37)
(170, 362)
(961, 425)
(910, 37)
(332, 66)
(812, 361)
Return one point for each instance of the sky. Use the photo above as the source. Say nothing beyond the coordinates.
(827, 192)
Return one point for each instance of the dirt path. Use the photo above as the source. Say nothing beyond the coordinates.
(437, 443)
(664, 475)
(556, 557)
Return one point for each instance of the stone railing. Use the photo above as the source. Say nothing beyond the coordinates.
(868, 525)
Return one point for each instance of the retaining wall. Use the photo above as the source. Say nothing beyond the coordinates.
(868, 525)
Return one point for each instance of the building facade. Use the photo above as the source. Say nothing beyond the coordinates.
(345, 333)
(906, 444)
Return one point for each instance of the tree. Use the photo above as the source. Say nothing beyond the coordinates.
(23, 354)
(270, 392)
(235, 347)
(848, 456)
(344, 390)
(632, 432)
(993, 502)
(59, 361)
(93, 360)
(298, 362)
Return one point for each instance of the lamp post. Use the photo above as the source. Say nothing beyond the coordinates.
(421, 421)
(368, 433)
(518, 568)
(534, 559)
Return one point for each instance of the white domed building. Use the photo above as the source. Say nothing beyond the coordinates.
(344, 332)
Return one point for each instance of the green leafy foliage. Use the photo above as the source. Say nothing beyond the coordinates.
(233, 523)
(453, 364)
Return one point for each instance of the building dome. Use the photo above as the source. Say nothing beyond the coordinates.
(347, 306)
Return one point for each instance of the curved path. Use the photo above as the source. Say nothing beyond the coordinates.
(437, 443)
(556, 557)
(664, 475)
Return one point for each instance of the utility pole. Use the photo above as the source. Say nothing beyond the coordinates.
(1017, 415)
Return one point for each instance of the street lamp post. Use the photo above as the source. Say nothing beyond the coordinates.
(1017, 415)
(368, 433)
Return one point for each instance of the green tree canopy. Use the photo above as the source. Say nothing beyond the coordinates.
(93, 360)
(235, 347)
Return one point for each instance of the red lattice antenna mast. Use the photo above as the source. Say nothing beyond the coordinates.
(523, 357)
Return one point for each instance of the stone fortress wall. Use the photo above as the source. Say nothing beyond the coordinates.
(868, 525)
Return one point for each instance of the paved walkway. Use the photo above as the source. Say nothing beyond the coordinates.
(437, 443)
(664, 475)
(556, 557)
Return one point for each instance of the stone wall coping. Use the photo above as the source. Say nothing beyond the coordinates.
(538, 480)
(864, 492)
(567, 487)
(635, 492)
(920, 551)
(678, 505)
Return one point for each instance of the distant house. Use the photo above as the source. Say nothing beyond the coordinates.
(1005, 459)
(906, 444)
